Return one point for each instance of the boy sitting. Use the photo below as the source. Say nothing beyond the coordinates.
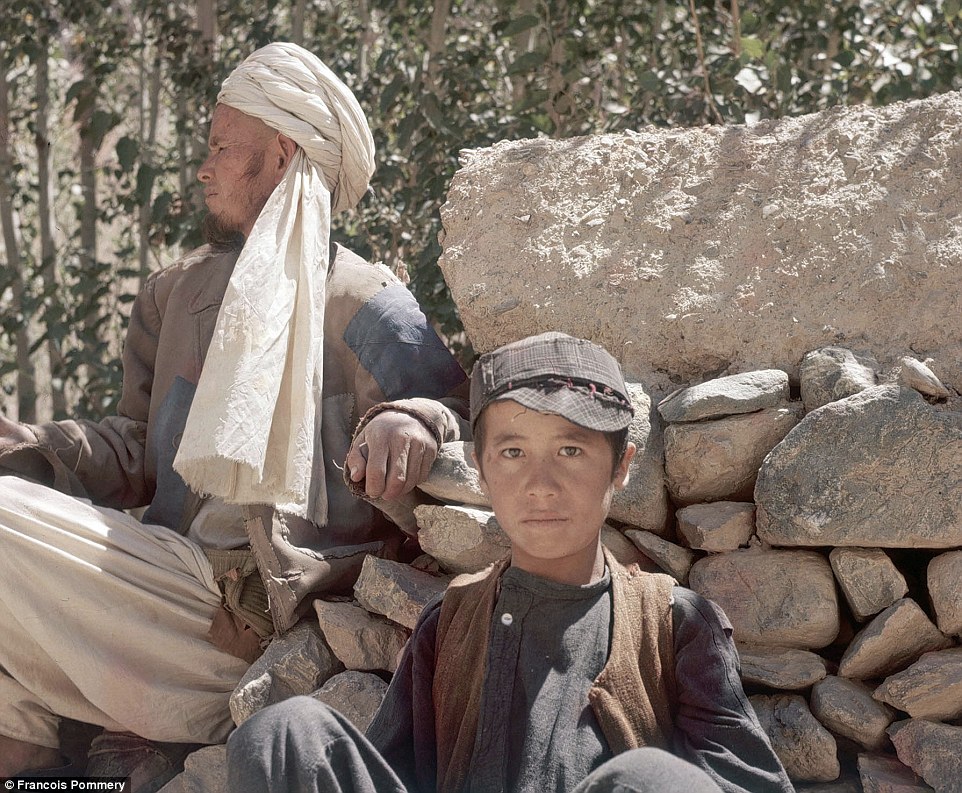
(557, 669)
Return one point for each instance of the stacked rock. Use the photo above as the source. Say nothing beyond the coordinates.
(824, 517)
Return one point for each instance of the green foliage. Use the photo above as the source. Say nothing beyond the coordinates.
(431, 85)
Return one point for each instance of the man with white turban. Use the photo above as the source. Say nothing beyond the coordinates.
(269, 376)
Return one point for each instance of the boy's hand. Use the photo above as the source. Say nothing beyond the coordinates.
(392, 454)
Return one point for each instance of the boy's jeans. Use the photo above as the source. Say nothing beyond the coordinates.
(302, 745)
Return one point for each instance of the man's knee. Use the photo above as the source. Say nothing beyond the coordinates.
(649, 770)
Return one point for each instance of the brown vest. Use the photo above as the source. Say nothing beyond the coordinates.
(633, 697)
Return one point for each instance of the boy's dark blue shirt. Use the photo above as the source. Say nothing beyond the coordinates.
(549, 641)
(715, 727)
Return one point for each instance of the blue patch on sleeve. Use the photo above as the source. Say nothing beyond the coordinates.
(393, 340)
(167, 507)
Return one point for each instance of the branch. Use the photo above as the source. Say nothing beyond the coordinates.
(704, 67)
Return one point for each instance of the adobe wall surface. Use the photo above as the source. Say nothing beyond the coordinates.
(691, 253)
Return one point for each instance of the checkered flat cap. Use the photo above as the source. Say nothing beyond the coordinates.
(555, 373)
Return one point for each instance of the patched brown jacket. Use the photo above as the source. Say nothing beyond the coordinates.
(378, 347)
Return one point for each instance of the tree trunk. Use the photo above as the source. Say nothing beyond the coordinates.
(297, 21)
(48, 250)
(207, 23)
(150, 107)
(365, 40)
(207, 26)
(439, 23)
(26, 377)
(88, 210)
(525, 41)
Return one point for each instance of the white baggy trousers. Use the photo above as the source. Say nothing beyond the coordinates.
(104, 620)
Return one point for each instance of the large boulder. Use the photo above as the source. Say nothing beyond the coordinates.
(297, 662)
(780, 667)
(694, 252)
(931, 688)
(891, 641)
(356, 695)
(943, 576)
(397, 591)
(932, 750)
(361, 641)
(846, 707)
(807, 750)
(877, 469)
(644, 501)
(718, 460)
(834, 373)
(726, 396)
(773, 598)
(868, 578)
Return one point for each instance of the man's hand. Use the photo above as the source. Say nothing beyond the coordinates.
(392, 454)
(12, 433)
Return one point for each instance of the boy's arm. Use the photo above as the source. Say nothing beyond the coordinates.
(403, 727)
(715, 725)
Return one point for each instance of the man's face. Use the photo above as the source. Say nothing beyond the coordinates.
(550, 483)
(236, 181)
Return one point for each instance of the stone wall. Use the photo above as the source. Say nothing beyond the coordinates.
(829, 530)
(691, 253)
(787, 299)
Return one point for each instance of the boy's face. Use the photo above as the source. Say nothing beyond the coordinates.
(550, 483)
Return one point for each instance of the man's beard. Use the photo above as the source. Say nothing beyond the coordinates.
(216, 230)
(220, 234)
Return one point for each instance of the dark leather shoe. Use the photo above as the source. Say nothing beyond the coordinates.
(150, 765)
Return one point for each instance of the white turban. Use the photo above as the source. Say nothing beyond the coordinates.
(253, 432)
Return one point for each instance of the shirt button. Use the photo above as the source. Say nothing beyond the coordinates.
(506, 619)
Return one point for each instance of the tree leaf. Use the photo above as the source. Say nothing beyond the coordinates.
(101, 122)
(527, 62)
(752, 47)
(145, 183)
(521, 24)
(127, 151)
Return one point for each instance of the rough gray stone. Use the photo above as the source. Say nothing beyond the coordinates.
(297, 662)
(625, 551)
(847, 709)
(726, 396)
(874, 470)
(684, 251)
(396, 591)
(719, 460)
(772, 597)
(807, 750)
(205, 771)
(673, 559)
(462, 539)
(834, 373)
(943, 576)
(360, 640)
(780, 667)
(931, 688)
(917, 375)
(868, 578)
(891, 641)
(884, 774)
(719, 526)
(356, 695)
(644, 501)
(454, 477)
(933, 751)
